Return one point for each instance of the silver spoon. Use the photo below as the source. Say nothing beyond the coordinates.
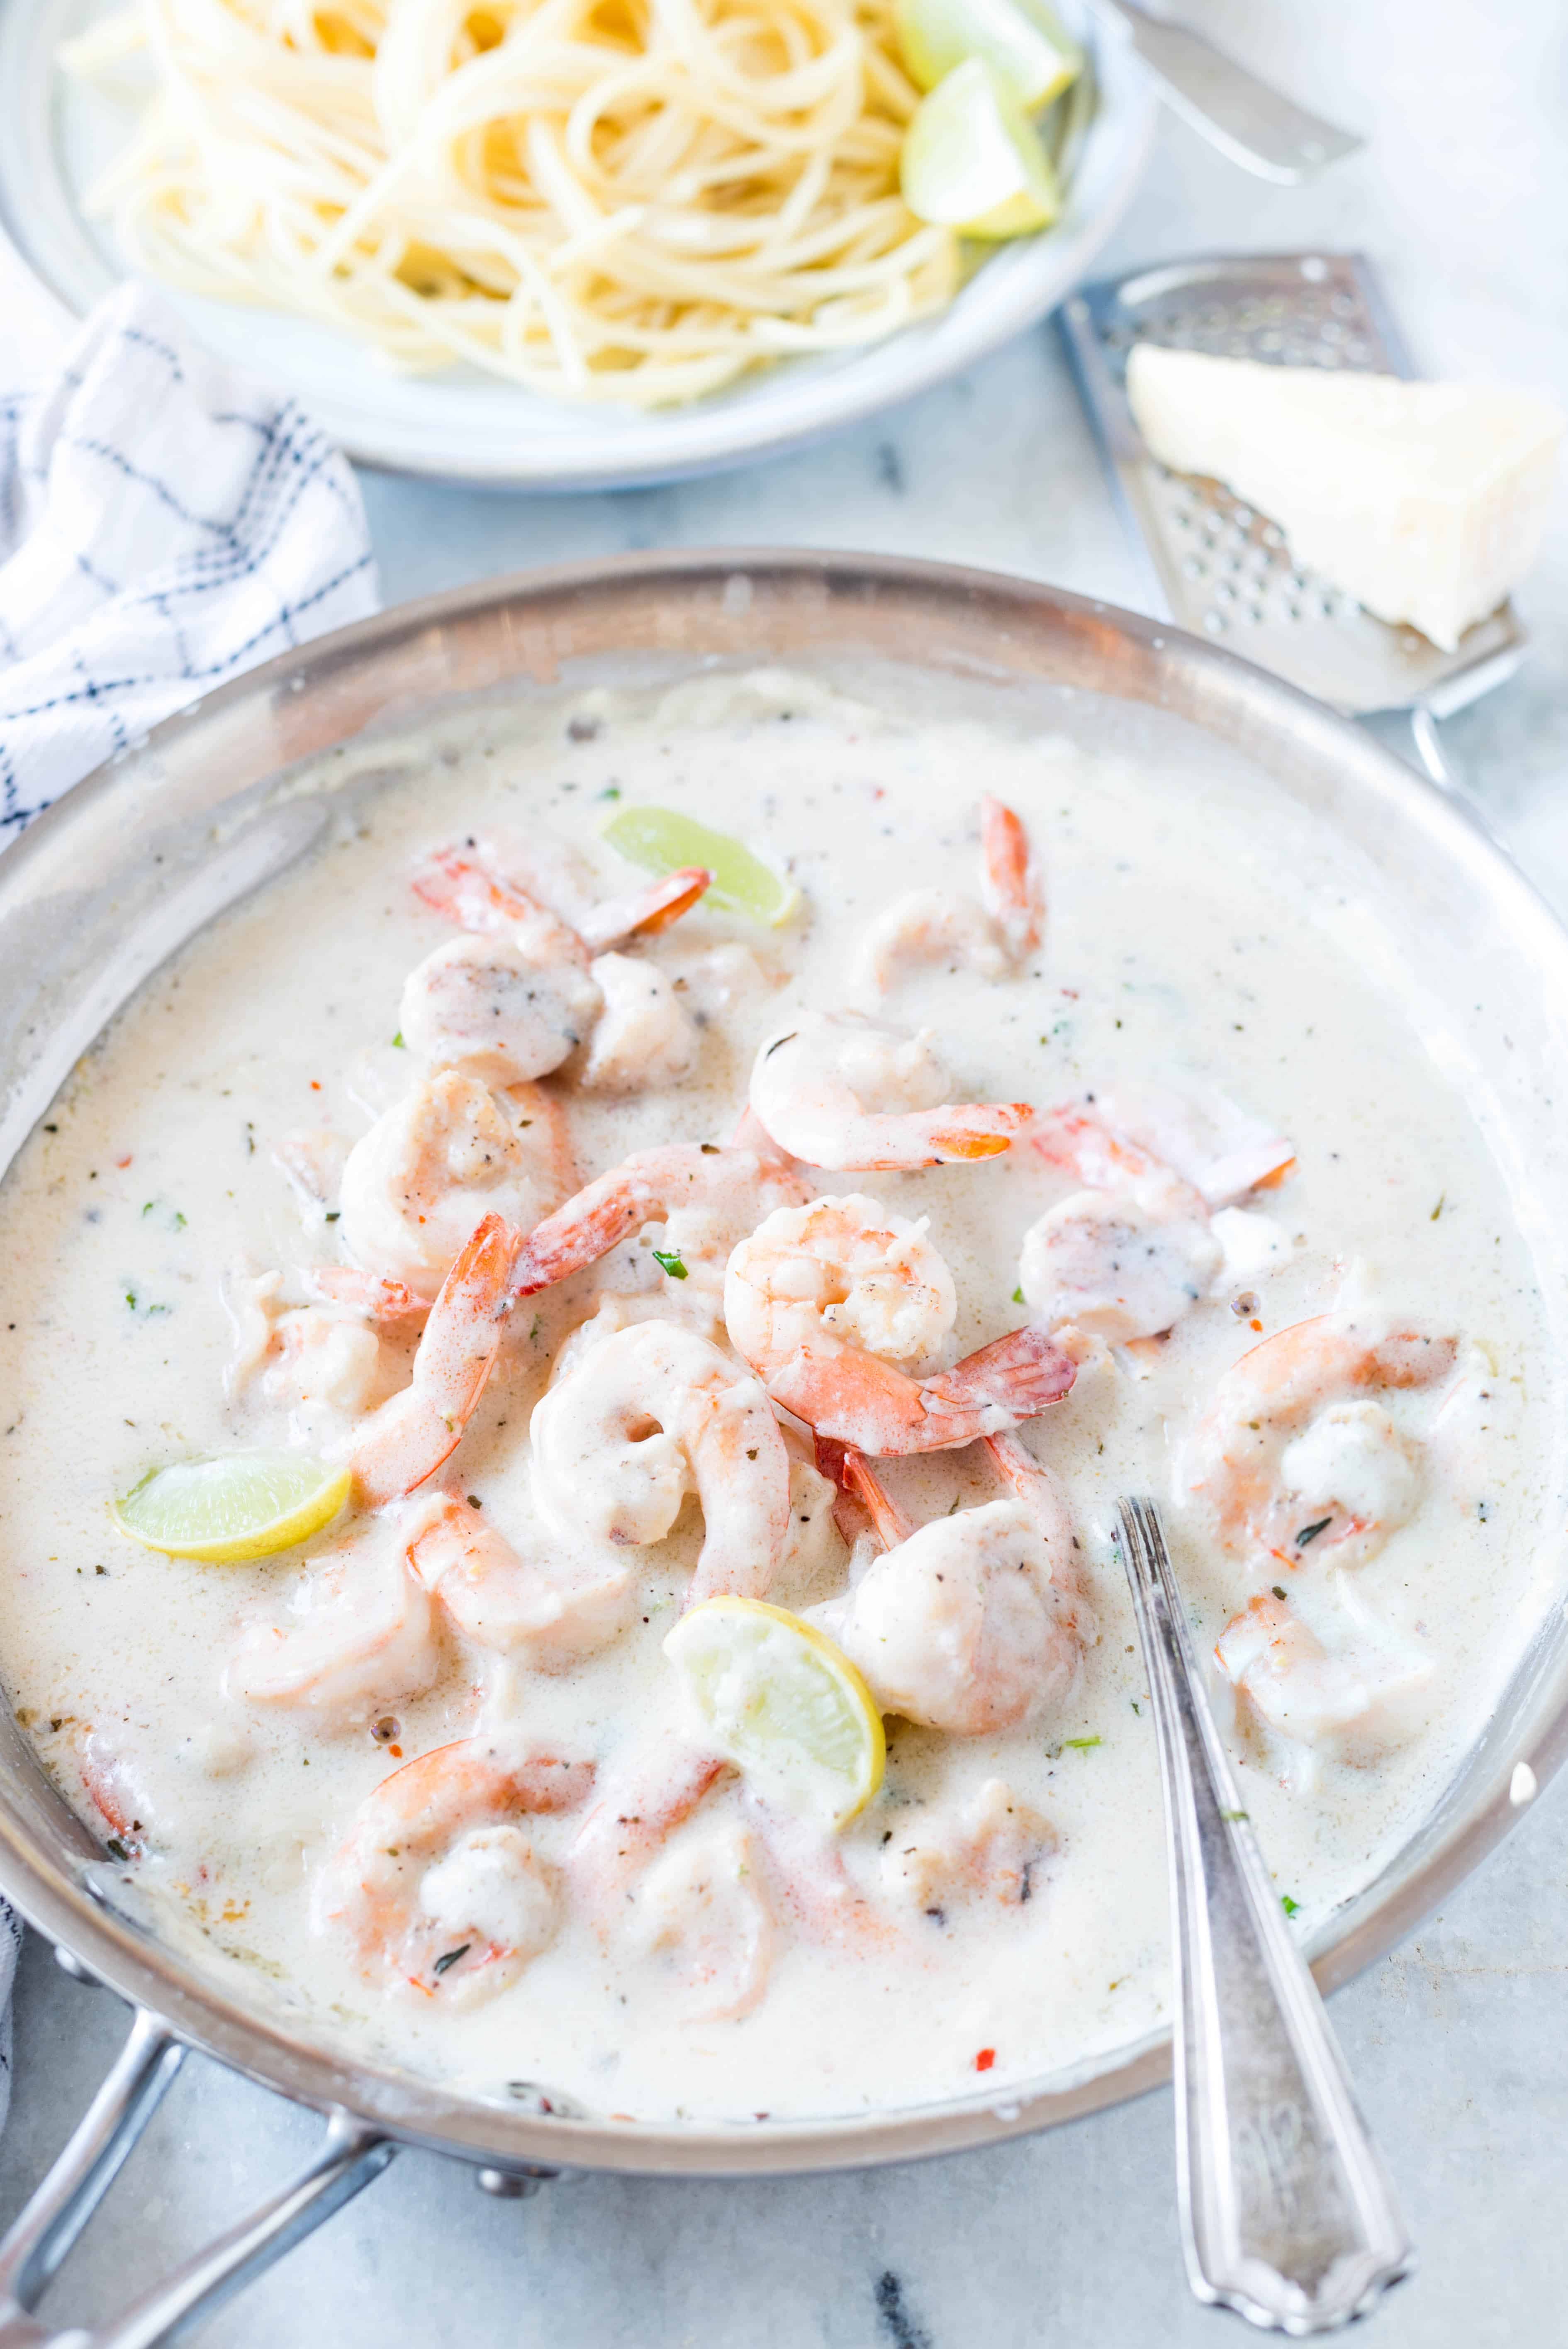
(1247, 119)
(1286, 2214)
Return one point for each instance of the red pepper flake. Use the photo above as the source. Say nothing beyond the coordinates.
(987, 2057)
(315, 1084)
(1254, 1325)
(122, 1163)
(396, 1751)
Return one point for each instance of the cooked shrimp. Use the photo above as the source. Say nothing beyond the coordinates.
(644, 1035)
(1352, 1702)
(707, 1199)
(407, 1440)
(990, 934)
(1125, 1258)
(1293, 1451)
(854, 1398)
(991, 1846)
(843, 1268)
(553, 1609)
(363, 1637)
(436, 1885)
(1221, 1149)
(842, 1092)
(449, 1151)
(516, 997)
(702, 1901)
(650, 1415)
(976, 1621)
(655, 1787)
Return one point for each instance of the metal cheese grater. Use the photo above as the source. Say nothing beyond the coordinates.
(1217, 567)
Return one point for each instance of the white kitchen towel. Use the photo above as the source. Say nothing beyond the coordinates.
(164, 524)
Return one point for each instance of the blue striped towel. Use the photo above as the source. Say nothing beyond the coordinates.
(164, 524)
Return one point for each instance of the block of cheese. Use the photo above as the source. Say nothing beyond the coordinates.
(1426, 501)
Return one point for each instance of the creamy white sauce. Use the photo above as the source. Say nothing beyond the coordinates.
(1194, 934)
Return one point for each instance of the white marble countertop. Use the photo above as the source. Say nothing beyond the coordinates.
(1458, 2042)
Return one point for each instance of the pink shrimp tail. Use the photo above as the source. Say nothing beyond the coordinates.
(406, 1440)
(1024, 1373)
(859, 1401)
(645, 912)
(853, 1474)
(365, 1292)
(1012, 886)
(587, 1227)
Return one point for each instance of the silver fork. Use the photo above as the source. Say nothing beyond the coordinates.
(1287, 2216)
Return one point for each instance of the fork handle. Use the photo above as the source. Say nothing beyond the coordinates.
(1287, 2216)
(1249, 120)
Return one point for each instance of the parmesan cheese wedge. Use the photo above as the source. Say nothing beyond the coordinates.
(1427, 502)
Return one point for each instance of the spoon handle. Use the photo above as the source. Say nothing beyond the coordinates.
(1286, 2214)
(1253, 123)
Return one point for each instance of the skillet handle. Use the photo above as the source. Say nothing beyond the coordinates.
(57, 2213)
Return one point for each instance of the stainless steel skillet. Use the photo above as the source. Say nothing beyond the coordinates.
(125, 869)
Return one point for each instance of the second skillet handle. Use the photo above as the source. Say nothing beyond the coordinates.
(1287, 2216)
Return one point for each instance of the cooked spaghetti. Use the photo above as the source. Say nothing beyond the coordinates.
(631, 200)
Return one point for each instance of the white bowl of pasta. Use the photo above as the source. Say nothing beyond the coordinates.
(343, 218)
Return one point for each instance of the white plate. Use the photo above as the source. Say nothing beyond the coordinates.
(466, 425)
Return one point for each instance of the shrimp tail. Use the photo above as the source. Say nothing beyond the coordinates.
(1011, 885)
(857, 1482)
(365, 1292)
(859, 1401)
(1023, 1374)
(645, 912)
(408, 1438)
(586, 1228)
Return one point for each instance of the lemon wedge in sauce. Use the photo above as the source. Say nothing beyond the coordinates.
(245, 1505)
(780, 1700)
(662, 840)
(973, 160)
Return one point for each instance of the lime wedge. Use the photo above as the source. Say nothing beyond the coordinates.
(783, 1704)
(1020, 37)
(247, 1505)
(973, 160)
(661, 841)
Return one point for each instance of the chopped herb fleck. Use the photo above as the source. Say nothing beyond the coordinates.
(332, 1214)
(1232, 1815)
(1279, 1590)
(1017, 1297)
(450, 1957)
(1137, 1708)
(1438, 1210)
(610, 792)
(150, 1204)
(116, 1849)
(670, 1263)
(1310, 1533)
(1080, 1744)
(179, 1221)
(1288, 1905)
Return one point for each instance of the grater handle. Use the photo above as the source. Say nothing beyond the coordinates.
(1253, 123)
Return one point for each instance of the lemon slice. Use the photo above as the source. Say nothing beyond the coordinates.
(245, 1505)
(973, 160)
(1021, 39)
(783, 1704)
(661, 840)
